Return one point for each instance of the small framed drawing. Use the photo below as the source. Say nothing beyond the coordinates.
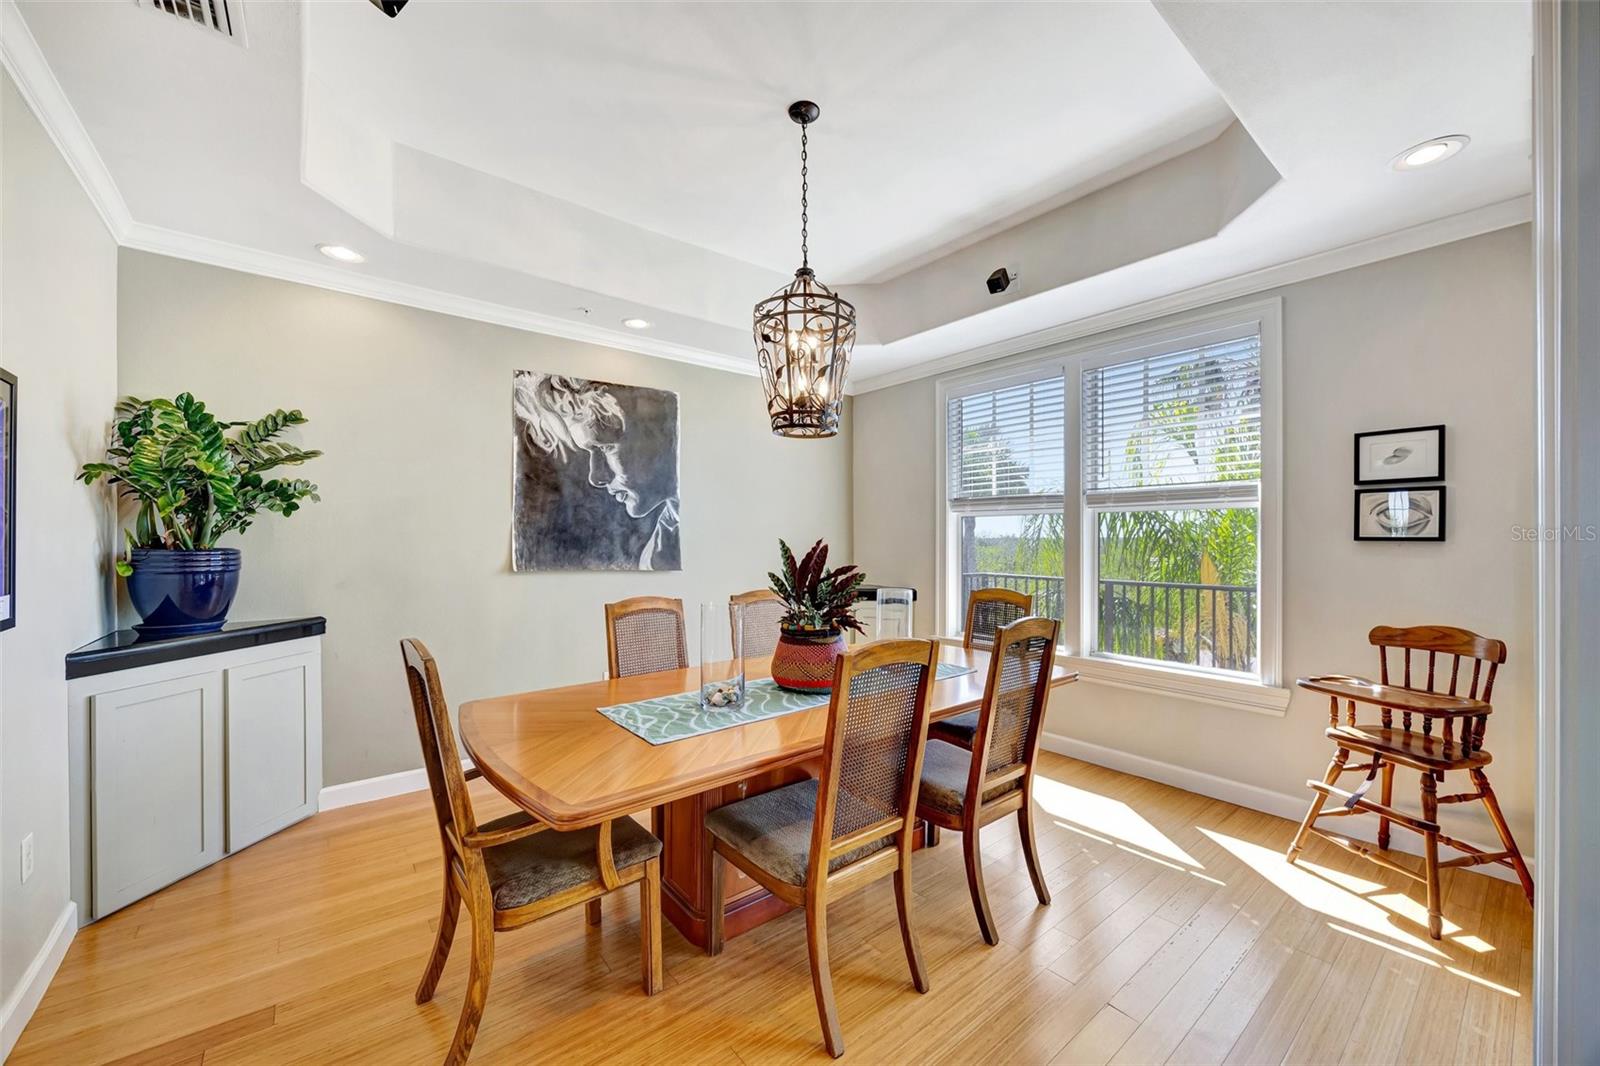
(8, 500)
(1412, 513)
(1415, 454)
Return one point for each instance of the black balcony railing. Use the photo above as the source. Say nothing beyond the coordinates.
(1169, 621)
(1046, 591)
(1178, 622)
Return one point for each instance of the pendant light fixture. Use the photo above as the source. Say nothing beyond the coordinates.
(804, 333)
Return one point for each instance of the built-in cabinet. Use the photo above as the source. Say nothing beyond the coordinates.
(273, 721)
(156, 782)
(184, 754)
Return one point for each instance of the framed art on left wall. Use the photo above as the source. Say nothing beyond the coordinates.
(8, 500)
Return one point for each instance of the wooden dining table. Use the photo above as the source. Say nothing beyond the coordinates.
(553, 754)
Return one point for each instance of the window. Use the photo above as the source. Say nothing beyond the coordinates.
(1171, 495)
(1129, 483)
(1006, 460)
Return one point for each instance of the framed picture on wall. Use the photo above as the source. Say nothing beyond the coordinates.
(1413, 513)
(8, 500)
(596, 475)
(1415, 454)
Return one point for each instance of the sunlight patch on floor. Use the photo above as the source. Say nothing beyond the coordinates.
(1458, 971)
(1100, 814)
(1484, 981)
(1384, 944)
(1329, 891)
(1413, 909)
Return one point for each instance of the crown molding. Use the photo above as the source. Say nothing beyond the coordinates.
(22, 57)
(20, 54)
(160, 241)
(1386, 246)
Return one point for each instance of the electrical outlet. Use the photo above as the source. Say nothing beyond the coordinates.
(27, 857)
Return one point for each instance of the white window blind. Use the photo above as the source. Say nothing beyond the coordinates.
(1007, 443)
(1174, 427)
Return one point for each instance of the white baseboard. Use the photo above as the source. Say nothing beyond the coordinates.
(376, 788)
(1256, 798)
(24, 999)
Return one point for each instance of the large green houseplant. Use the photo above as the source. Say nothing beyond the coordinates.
(193, 478)
(820, 607)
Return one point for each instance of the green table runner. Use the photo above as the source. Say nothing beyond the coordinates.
(668, 718)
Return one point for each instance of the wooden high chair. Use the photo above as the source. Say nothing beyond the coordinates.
(1459, 746)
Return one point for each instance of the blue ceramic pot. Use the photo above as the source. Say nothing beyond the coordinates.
(178, 592)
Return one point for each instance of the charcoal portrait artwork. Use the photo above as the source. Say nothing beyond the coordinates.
(596, 481)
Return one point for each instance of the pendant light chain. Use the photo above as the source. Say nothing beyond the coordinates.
(805, 220)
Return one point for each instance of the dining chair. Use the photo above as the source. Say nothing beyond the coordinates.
(514, 870)
(814, 841)
(966, 789)
(763, 611)
(988, 610)
(1458, 747)
(645, 635)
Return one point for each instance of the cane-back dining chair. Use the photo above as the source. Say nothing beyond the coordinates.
(1460, 707)
(988, 611)
(762, 610)
(966, 789)
(644, 635)
(514, 870)
(813, 841)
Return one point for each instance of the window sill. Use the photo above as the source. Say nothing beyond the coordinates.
(1240, 693)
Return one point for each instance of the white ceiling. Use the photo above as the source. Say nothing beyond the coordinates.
(671, 117)
(566, 165)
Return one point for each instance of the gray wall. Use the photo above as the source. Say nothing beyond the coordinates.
(58, 334)
(412, 537)
(1443, 335)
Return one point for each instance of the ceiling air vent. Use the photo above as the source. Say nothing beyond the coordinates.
(219, 16)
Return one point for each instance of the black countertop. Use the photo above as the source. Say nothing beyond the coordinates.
(126, 649)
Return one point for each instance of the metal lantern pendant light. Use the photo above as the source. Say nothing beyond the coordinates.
(804, 333)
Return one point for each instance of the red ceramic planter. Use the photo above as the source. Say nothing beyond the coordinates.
(803, 660)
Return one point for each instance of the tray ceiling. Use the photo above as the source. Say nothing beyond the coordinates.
(582, 163)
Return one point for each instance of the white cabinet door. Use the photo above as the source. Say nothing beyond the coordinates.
(157, 783)
(274, 745)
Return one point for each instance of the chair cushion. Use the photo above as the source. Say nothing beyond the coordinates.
(944, 779)
(537, 867)
(959, 730)
(773, 831)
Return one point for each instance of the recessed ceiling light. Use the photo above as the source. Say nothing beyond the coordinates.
(636, 323)
(1430, 152)
(341, 253)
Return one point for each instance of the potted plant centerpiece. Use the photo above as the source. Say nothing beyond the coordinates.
(821, 606)
(193, 479)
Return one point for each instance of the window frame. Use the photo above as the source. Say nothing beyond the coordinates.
(1263, 693)
(949, 609)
